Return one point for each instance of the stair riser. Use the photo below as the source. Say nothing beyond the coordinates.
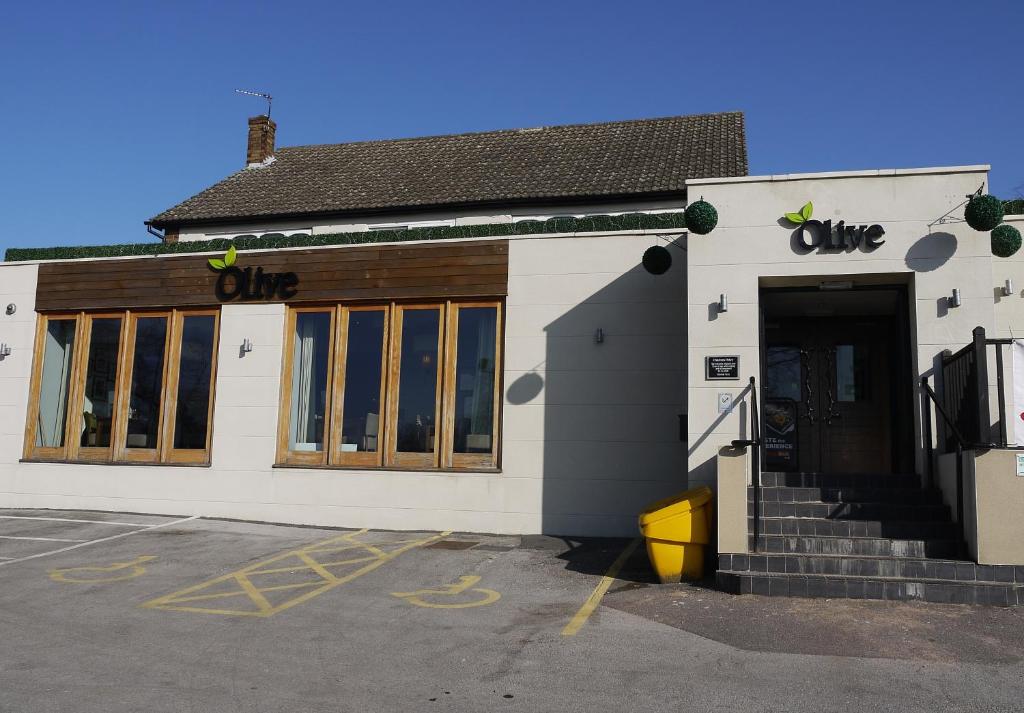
(836, 588)
(834, 480)
(860, 546)
(820, 527)
(895, 496)
(863, 567)
(854, 511)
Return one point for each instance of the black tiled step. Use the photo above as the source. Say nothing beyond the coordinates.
(838, 480)
(851, 494)
(890, 567)
(854, 511)
(860, 546)
(825, 527)
(839, 587)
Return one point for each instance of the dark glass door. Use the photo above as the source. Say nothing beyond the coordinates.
(828, 396)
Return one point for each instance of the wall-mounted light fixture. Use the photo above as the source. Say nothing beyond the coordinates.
(954, 299)
(12, 308)
(246, 347)
(599, 336)
(723, 302)
(5, 351)
(1008, 288)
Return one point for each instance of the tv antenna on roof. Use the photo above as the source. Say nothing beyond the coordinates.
(269, 98)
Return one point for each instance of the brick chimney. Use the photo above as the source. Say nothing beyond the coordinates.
(261, 140)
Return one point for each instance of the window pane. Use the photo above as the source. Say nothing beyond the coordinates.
(361, 418)
(193, 408)
(147, 382)
(58, 352)
(782, 373)
(474, 379)
(417, 381)
(309, 381)
(851, 373)
(100, 380)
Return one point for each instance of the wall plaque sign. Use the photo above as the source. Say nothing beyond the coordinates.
(721, 367)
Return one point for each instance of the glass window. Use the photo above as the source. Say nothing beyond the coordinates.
(147, 383)
(192, 411)
(475, 360)
(361, 419)
(782, 373)
(417, 381)
(310, 355)
(55, 381)
(100, 382)
(851, 373)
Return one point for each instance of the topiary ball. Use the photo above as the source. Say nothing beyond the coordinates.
(984, 212)
(1005, 240)
(701, 217)
(657, 260)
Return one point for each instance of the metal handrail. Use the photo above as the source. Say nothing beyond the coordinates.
(755, 459)
(961, 444)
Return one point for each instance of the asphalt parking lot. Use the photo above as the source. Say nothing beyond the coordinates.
(124, 612)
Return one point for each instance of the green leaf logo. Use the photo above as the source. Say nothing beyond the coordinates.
(803, 216)
(229, 259)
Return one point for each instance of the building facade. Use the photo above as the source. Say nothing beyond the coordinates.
(460, 333)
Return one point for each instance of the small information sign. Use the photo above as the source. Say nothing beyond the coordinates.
(721, 368)
(1020, 465)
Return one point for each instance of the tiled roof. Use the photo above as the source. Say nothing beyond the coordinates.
(645, 157)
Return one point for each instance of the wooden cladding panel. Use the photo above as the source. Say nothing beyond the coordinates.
(470, 269)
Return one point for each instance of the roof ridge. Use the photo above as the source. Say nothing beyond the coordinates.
(588, 124)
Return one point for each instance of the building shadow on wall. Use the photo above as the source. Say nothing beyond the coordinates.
(611, 390)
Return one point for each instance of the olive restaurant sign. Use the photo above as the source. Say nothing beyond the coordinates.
(813, 234)
(248, 284)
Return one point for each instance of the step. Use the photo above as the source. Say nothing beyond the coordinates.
(860, 566)
(839, 480)
(848, 494)
(826, 527)
(860, 546)
(893, 589)
(854, 511)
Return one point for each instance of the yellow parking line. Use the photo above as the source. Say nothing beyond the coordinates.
(247, 594)
(577, 622)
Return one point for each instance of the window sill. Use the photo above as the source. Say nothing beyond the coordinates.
(390, 469)
(115, 462)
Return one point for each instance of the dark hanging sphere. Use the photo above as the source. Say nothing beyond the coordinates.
(1005, 240)
(701, 217)
(984, 212)
(657, 260)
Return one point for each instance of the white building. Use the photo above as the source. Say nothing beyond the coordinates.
(401, 342)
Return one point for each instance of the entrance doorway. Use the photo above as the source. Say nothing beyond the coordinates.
(837, 380)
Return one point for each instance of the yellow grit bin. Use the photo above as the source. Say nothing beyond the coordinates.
(677, 530)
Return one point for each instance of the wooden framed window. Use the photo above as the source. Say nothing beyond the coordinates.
(409, 389)
(123, 386)
(49, 426)
(472, 383)
(362, 346)
(103, 335)
(414, 394)
(190, 382)
(309, 353)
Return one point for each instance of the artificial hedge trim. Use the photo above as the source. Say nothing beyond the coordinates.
(1014, 207)
(591, 224)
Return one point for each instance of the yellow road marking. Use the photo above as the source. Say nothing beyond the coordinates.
(304, 561)
(577, 622)
(465, 584)
(135, 570)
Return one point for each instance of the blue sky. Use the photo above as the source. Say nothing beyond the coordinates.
(111, 112)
